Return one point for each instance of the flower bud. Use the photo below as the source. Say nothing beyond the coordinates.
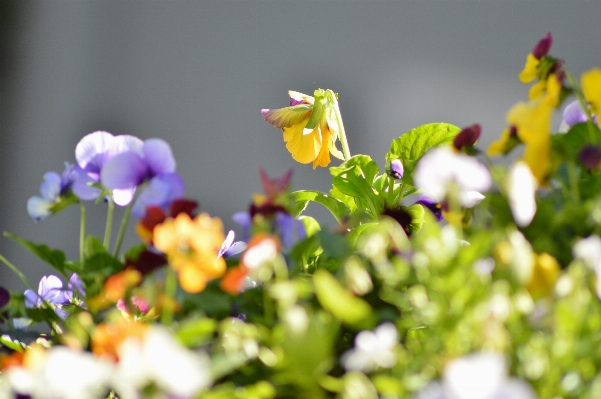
(543, 46)
(590, 156)
(397, 169)
(467, 137)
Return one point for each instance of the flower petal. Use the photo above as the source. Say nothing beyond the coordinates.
(91, 149)
(158, 156)
(51, 186)
(161, 190)
(82, 185)
(303, 148)
(591, 88)
(38, 208)
(288, 116)
(124, 171)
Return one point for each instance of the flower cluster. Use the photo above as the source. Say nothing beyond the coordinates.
(445, 276)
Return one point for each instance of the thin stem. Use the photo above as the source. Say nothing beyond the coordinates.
(342, 135)
(573, 177)
(169, 301)
(109, 223)
(82, 235)
(122, 228)
(390, 198)
(18, 273)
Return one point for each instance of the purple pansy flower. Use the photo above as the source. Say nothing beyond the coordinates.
(397, 170)
(289, 228)
(153, 162)
(432, 206)
(572, 115)
(231, 248)
(93, 152)
(51, 189)
(50, 290)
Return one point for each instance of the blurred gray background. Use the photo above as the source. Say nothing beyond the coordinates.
(197, 73)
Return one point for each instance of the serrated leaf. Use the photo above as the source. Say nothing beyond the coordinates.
(53, 257)
(302, 198)
(367, 167)
(411, 146)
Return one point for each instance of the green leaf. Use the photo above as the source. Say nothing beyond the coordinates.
(417, 212)
(196, 332)
(53, 257)
(300, 200)
(337, 300)
(353, 183)
(569, 145)
(311, 225)
(93, 246)
(411, 146)
(364, 163)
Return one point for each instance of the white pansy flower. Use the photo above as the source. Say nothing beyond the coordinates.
(588, 250)
(160, 359)
(372, 349)
(477, 376)
(521, 188)
(441, 167)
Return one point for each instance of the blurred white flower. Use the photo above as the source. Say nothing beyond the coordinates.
(441, 166)
(588, 250)
(158, 358)
(60, 372)
(521, 188)
(477, 376)
(372, 349)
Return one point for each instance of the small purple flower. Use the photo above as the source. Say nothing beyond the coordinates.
(51, 190)
(573, 114)
(590, 156)
(244, 220)
(229, 247)
(397, 169)
(153, 163)
(92, 154)
(289, 229)
(50, 290)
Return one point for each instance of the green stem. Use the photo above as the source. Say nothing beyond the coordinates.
(18, 273)
(109, 223)
(82, 235)
(573, 177)
(169, 301)
(342, 135)
(122, 229)
(390, 198)
(280, 269)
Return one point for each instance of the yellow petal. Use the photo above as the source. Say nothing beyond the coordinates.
(288, 116)
(545, 273)
(591, 88)
(498, 147)
(303, 147)
(537, 155)
(530, 71)
(530, 119)
(537, 90)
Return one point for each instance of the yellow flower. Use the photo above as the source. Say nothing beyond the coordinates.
(530, 71)
(310, 126)
(192, 248)
(545, 272)
(502, 145)
(591, 88)
(532, 122)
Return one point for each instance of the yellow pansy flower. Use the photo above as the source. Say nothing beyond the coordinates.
(531, 68)
(192, 248)
(591, 89)
(309, 125)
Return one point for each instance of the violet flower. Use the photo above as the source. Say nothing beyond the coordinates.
(52, 188)
(50, 290)
(154, 163)
(92, 153)
(397, 170)
(432, 206)
(229, 247)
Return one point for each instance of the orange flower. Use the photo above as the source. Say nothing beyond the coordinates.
(192, 248)
(115, 288)
(107, 338)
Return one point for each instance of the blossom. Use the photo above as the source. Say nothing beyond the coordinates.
(467, 137)
(229, 247)
(372, 349)
(572, 115)
(397, 170)
(588, 250)
(521, 189)
(192, 248)
(590, 156)
(156, 357)
(530, 71)
(153, 162)
(441, 167)
(92, 153)
(591, 89)
(155, 215)
(52, 191)
(310, 126)
(432, 206)
(50, 290)
(58, 372)
(477, 376)
(115, 287)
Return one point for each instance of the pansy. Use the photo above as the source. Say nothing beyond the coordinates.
(52, 192)
(432, 206)
(372, 349)
(229, 247)
(440, 167)
(4, 297)
(92, 152)
(572, 115)
(588, 250)
(51, 291)
(310, 126)
(477, 376)
(397, 170)
(531, 69)
(192, 248)
(152, 162)
(591, 89)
